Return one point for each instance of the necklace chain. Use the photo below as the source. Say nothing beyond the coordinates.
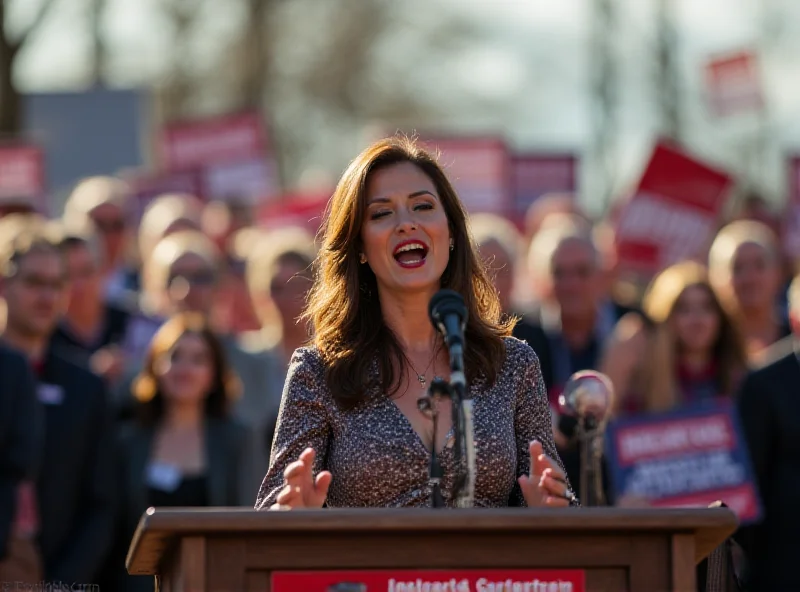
(421, 378)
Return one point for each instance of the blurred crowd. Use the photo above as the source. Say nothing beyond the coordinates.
(158, 349)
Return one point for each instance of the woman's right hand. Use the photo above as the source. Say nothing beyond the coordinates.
(301, 490)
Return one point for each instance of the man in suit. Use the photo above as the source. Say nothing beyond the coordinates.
(19, 434)
(769, 405)
(73, 491)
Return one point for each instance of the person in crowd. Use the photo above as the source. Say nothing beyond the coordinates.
(74, 492)
(279, 276)
(182, 275)
(350, 432)
(569, 327)
(499, 243)
(622, 295)
(165, 215)
(745, 270)
(103, 204)
(91, 331)
(233, 308)
(222, 219)
(183, 448)
(20, 433)
(769, 410)
(683, 349)
(548, 205)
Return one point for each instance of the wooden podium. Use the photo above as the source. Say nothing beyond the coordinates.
(221, 549)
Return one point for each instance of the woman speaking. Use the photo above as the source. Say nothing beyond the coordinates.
(349, 432)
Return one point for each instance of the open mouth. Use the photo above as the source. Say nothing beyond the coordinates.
(411, 254)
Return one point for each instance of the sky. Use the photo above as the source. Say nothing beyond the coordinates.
(534, 59)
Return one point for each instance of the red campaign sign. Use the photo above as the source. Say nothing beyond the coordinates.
(478, 168)
(145, 187)
(474, 580)
(534, 175)
(733, 83)
(673, 213)
(197, 144)
(294, 210)
(251, 181)
(21, 171)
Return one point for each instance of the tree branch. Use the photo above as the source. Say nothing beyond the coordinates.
(41, 15)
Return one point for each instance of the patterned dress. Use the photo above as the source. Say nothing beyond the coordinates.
(377, 458)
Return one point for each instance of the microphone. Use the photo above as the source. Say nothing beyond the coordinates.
(587, 398)
(448, 313)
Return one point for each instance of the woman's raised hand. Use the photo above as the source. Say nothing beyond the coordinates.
(546, 485)
(301, 489)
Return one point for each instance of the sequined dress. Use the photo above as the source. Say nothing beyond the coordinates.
(377, 458)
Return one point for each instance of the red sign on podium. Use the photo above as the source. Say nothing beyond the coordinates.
(473, 580)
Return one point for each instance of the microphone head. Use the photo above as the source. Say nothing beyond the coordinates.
(444, 303)
(588, 394)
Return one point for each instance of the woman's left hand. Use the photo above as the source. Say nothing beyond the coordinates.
(546, 485)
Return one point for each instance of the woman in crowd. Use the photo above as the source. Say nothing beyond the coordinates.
(278, 276)
(166, 215)
(182, 275)
(685, 349)
(350, 432)
(746, 271)
(183, 448)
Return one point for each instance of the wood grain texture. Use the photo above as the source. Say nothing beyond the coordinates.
(683, 574)
(193, 564)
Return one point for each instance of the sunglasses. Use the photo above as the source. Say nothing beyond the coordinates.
(198, 278)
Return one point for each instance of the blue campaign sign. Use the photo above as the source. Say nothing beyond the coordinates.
(687, 458)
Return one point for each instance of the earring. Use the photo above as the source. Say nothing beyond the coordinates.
(452, 246)
(363, 258)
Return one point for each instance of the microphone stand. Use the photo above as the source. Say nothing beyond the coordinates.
(590, 438)
(438, 388)
(464, 487)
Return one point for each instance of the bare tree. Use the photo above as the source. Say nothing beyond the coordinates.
(10, 46)
(176, 93)
(668, 79)
(605, 99)
(99, 58)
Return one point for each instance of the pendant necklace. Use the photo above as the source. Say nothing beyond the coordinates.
(421, 378)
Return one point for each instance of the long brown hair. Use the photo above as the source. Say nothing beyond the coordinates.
(225, 387)
(344, 309)
(661, 391)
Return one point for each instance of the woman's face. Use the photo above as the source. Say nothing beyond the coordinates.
(186, 373)
(406, 235)
(289, 288)
(696, 321)
(191, 284)
(754, 277)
